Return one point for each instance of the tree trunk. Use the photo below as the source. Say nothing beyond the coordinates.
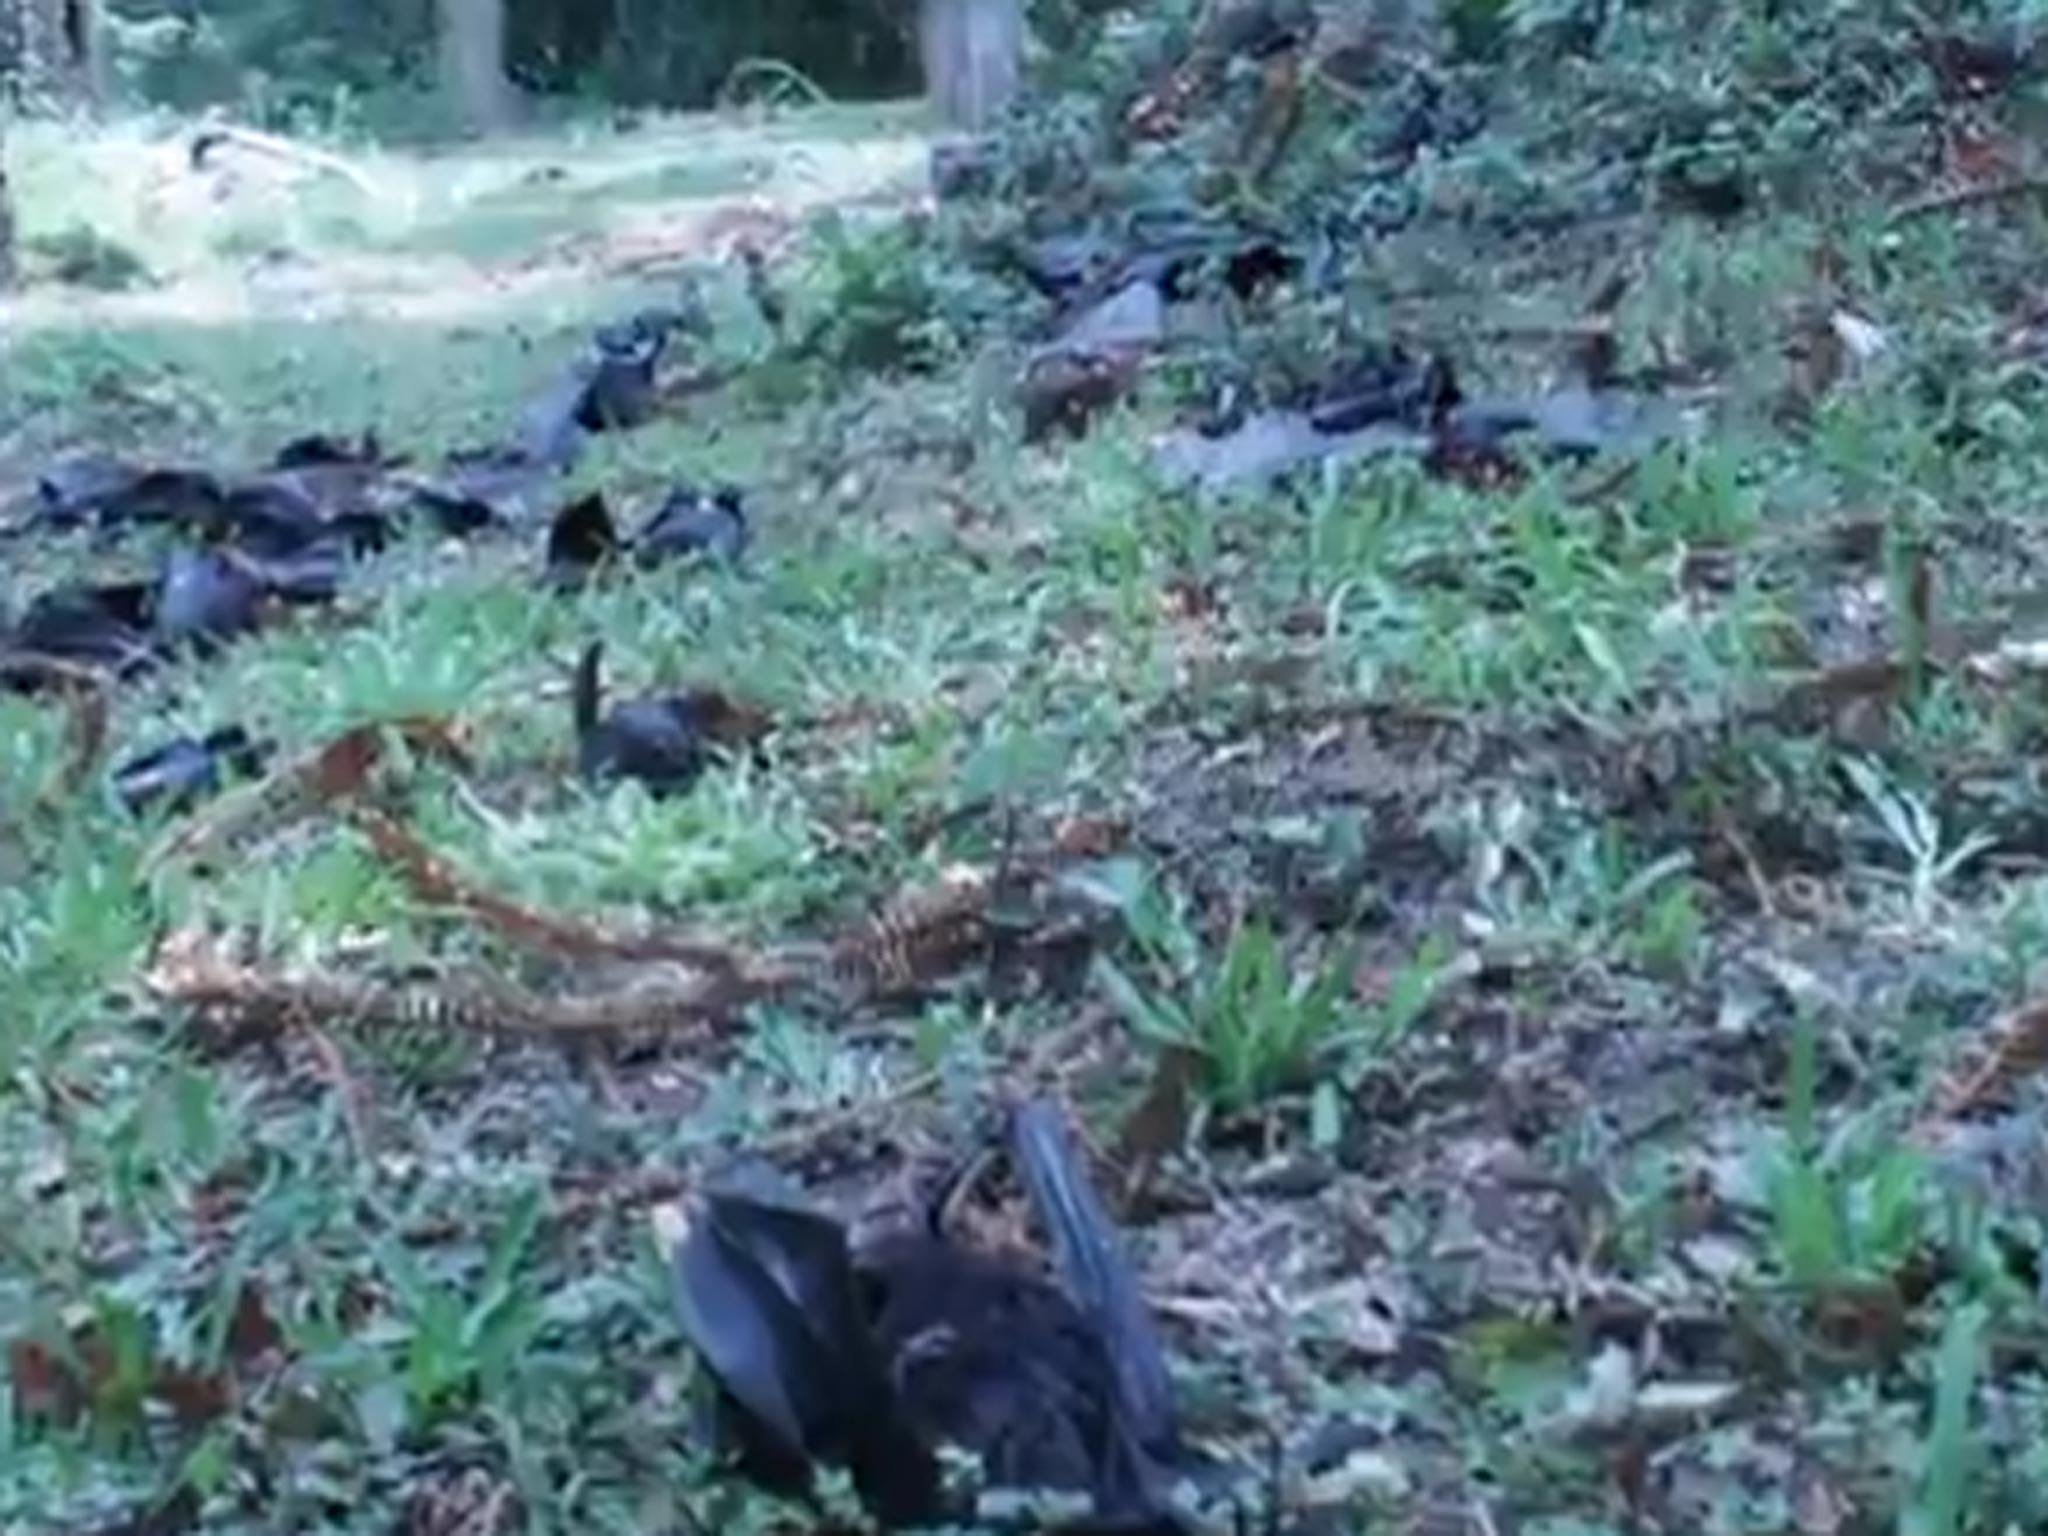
(473, 62)
(55, 48)
(973, 58)
(10, 272)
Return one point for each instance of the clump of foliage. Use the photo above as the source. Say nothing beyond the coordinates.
(1264, 1023)
(82, 257)
(884, 298)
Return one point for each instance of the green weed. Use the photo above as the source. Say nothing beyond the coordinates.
(1848, 1207)
(1951, 1456)
(1265, 1025)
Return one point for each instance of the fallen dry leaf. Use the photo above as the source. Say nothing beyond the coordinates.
(1819, 1508)
(2015, 1050)
(65, 1386)
(1089, 837)
(86, 725)
(919, 938)
(339, 770)
(1158, 1127)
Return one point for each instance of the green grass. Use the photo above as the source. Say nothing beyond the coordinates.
(1484, 889)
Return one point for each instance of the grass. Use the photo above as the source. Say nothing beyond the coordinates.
(1501, 887)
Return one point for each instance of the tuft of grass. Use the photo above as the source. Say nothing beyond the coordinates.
(1950, 1458)
(79, 256)
(1848, 1208)
(1265, 1024)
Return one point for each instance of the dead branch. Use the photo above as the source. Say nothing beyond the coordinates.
(26, 670)
(2015, 1050)
(921, 936)
(435, 880)
(338, 770)
(87, 723)
(216, 134)
(1975, 195)
(348, 1090)
(193, 970)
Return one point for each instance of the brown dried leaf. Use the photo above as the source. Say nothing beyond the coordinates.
(349, 1091)
(2016, 1050)
(1595, 356)
(471, 1503)
(1978, 155)
(339, 770)
(1276, 118)
(1161, 113)
(1866, 1319)
(253, 1333)
(45, 1388)
(86, 726)
(195, 1398)
(1853, 700)
(63, 1386)
(919, 938)
(1089, 837)
(1920, 592)
(1819, 360)
(343, 767)
(1188, 601)
(1158, 1127)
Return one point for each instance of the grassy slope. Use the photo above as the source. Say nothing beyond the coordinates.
(1459, 727)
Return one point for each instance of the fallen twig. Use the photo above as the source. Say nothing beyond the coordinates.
(87, 720)
(1975, 195)
(2015, 1050)
(434, 879)
(193, 970)
(338, 770)
(216, 134)
(819, 1129)
(348, 1090)
(1759, 886)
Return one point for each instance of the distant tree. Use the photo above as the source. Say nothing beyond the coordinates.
(55, 48)
(10, 272)
(973, 53)
(473, 62)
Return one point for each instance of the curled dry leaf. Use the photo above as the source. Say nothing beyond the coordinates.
(81, 1376)
(471, 1503)
(341, 769)
(1090, 837)
(1275, 119)
(87, 720)
(1158, 1127)
(920, 937)
(2017, 1049)
(1841, 698)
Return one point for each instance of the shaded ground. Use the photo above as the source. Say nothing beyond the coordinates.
(1634, 1188)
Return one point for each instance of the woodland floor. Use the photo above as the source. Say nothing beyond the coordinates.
(1665, 1173)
